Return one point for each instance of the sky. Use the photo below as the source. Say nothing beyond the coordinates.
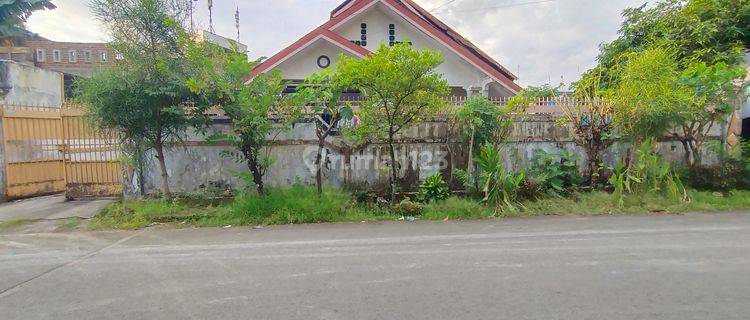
(541, 41)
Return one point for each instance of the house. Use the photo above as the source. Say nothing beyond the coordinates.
(356, 28)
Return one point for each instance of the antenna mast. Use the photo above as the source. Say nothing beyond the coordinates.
(210, 16)
(237, 22)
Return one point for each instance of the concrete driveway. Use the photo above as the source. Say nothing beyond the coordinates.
(694, 266)
(50, 208)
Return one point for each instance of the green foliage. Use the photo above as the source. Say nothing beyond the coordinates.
(433, 188)
(484, 120)
(500, 188)
(598, 203)
(711, 31)
(647, 100)
(14, 223)
(556, 173)
(296, 204)
(258, 109)
(13, 17)
(408, 208)
(455, 208)
(399, 87)
(731, 172)
(649, 174)
(321, 90)
(145, 97)
(714, 94)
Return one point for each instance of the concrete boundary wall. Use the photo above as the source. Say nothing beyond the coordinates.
(425, 149)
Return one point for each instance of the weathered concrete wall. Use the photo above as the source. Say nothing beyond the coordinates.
(425, 149)
(3, 177)
(23, 85)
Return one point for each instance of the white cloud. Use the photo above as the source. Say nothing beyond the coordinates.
(539, 42)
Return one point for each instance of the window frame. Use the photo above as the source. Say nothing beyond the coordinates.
(88, 56)
(41, 55)
(56, 58)
(72, 56)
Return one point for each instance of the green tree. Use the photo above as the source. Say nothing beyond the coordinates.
(258, 109)
(400, 88)
(145, 97)
(480, 122)
(647, 98)
(13, 17)
(591, 125)
(714, 95)
(322, 92)
(711, 31)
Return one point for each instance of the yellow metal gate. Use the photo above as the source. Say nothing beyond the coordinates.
(31, 144)
(50, 150)
(92, 158)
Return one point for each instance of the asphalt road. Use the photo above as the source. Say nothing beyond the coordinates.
(649, 267)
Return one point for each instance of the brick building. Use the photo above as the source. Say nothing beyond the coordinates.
(71, 58)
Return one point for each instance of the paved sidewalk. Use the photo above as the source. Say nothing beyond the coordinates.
(50, 208)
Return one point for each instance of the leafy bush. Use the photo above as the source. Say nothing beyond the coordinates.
(732, 171)
(556, 172)
(649, 174)
(433, 188)
(499, 187)
(408, 208)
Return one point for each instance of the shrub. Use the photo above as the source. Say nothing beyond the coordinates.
(556, 172)
(408, 208)
(649, 174)
(728, 175)
(498, 187)
(732, 171)
(433, 188)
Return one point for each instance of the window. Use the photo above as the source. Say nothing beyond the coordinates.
(56, 55)
(102, 56)
(72, 56)
(391, 34)
(118, 56)
(87, 56)
(41, 55)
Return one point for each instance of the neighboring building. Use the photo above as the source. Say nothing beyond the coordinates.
(226, 43)
(71, 58)
(357, 27)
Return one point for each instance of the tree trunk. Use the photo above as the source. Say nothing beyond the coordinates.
(319, 167)
(697, 157)
(393, 171)
(471, 151)
(164, 175)
(254, 166)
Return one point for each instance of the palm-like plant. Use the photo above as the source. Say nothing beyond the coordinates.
(13, 17)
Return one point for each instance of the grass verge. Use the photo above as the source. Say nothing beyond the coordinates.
(14, 223)
(301, 204)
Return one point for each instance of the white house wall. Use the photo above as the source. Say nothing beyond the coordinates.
(305, 62)
(456, 70)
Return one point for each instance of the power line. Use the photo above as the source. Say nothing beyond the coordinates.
(501, 6)
(442, 5)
